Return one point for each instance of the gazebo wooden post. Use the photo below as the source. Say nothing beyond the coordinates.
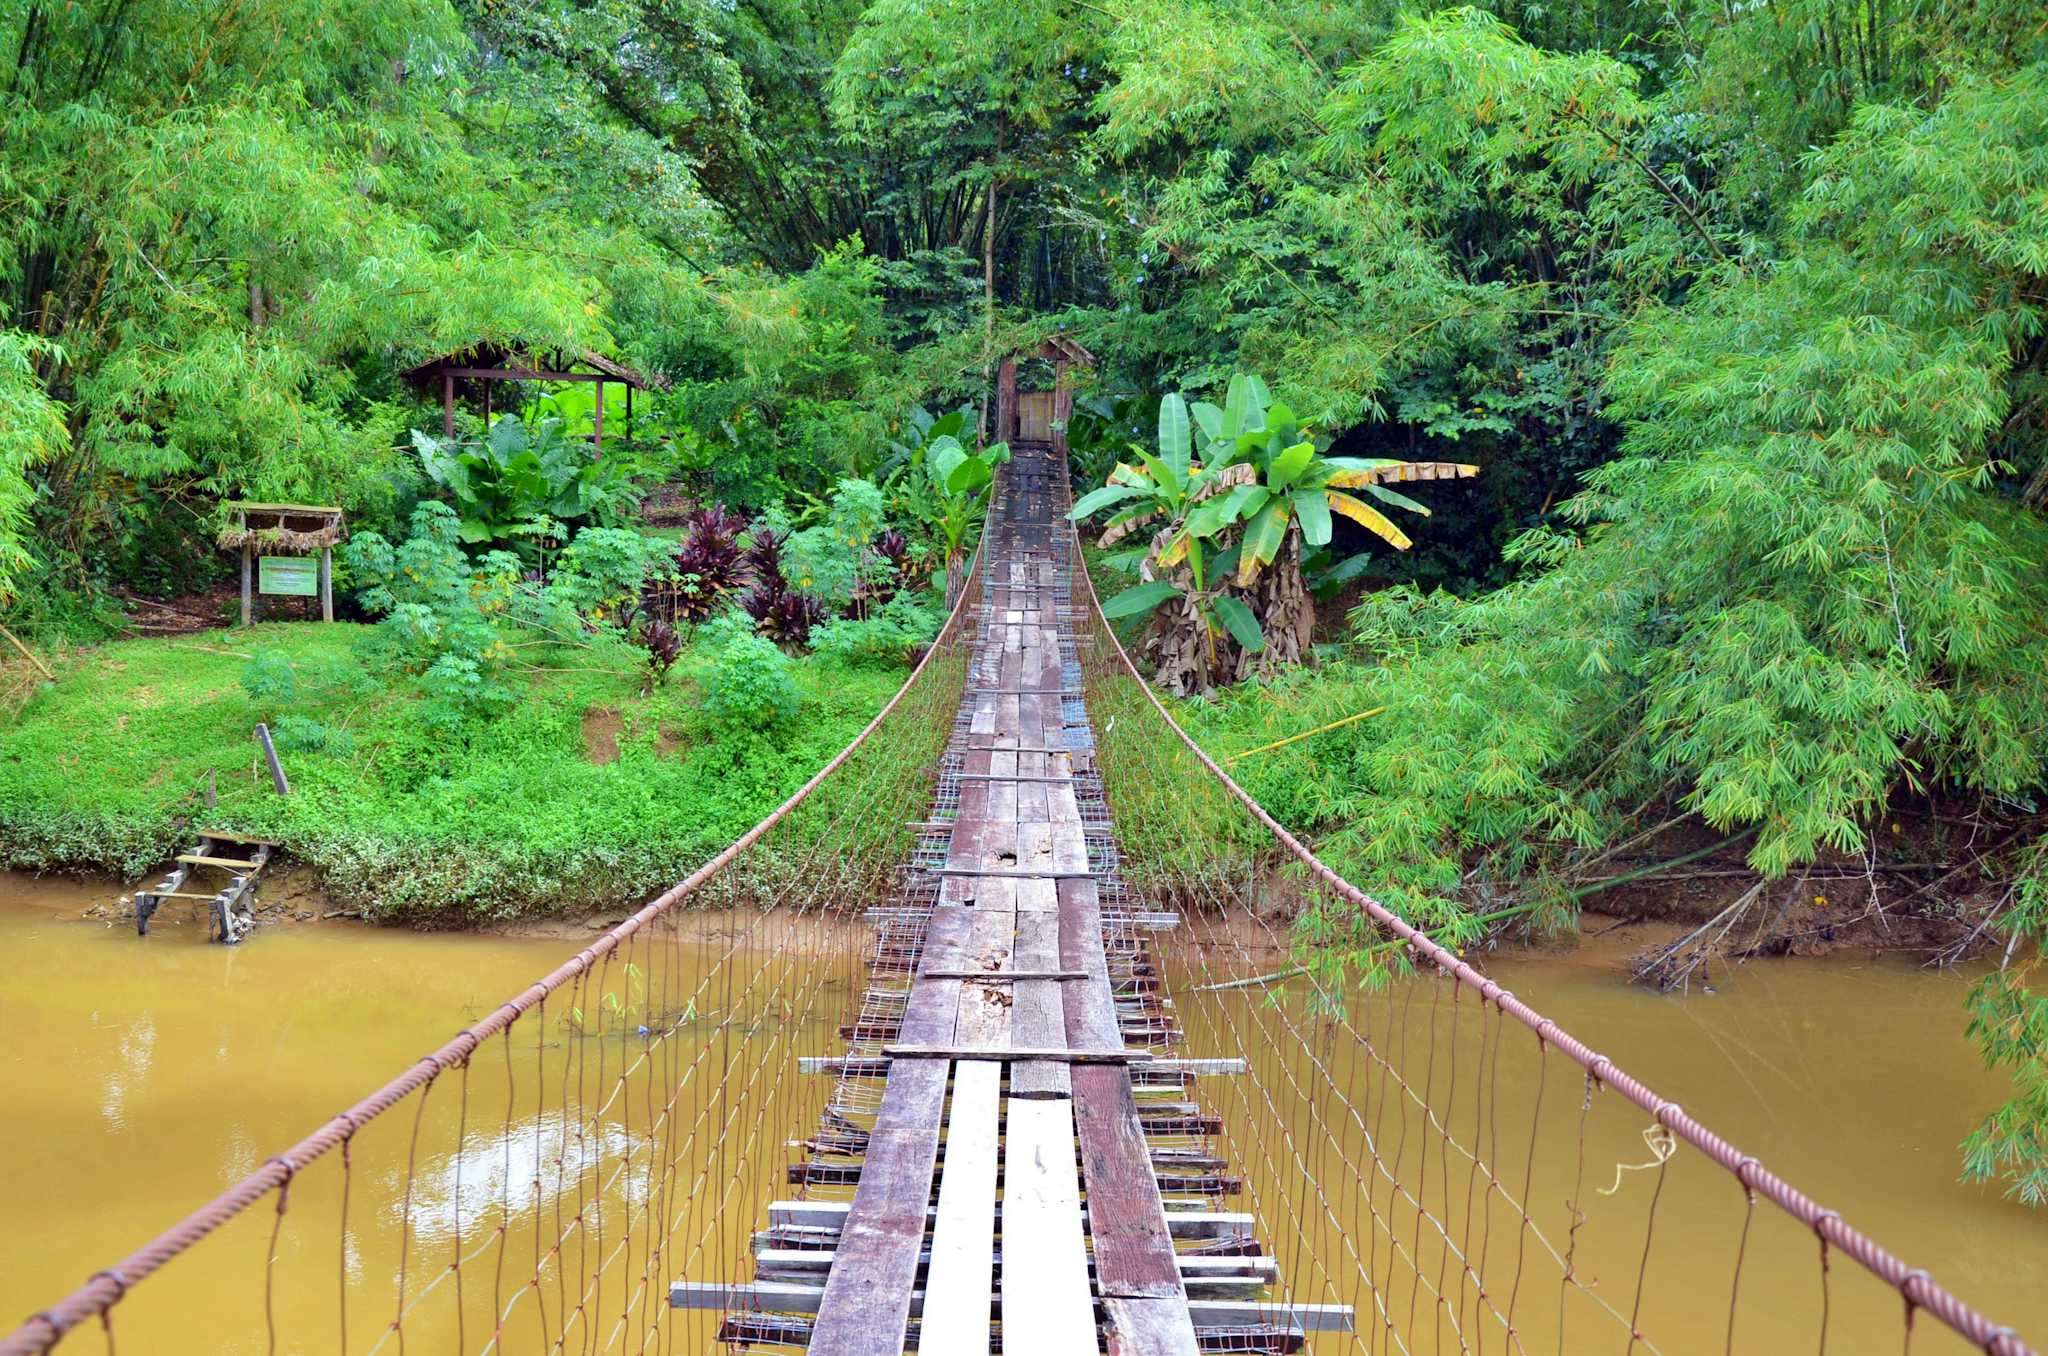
(248, 570)
(327, 583)
(597, 424)
(1006, 400)
(1062, 404)
(448, 404)
(629, 414)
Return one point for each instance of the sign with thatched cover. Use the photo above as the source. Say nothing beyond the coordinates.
(281, 532)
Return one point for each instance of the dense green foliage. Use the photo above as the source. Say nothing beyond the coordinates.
(400, 812)
(1738, 306)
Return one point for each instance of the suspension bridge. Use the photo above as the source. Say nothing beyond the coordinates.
(930, 1059)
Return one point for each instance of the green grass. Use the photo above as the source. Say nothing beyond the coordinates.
(106, 769)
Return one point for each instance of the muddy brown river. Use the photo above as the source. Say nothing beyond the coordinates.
(142, 1077)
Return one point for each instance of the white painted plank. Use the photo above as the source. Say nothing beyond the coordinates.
(959, 1291)
(1047, 1302)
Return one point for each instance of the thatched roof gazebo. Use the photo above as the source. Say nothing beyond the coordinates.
(471, 372)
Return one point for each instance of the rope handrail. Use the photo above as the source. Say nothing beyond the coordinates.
(1914, 1284)
(106, 1287)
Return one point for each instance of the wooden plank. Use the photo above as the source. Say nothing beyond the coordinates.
(985, 1002)
(1047, 1306)
(1188, 1224)
(794, 1297)
(865, 1306)
(1037, 1017)
(233, 863)
(1089, 1019)
(1004, 976)
(1011, 1054)
(1133, 1250)
(960, 1282)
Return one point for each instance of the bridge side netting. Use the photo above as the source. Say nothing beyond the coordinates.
(1424, 1147)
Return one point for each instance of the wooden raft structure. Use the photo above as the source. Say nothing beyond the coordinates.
(1037, 1176)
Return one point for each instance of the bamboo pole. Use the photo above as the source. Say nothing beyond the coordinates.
(1305, 734)
(28, 654)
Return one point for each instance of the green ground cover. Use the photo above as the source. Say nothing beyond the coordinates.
(527, 813)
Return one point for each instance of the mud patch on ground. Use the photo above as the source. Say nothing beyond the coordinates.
(601, 729)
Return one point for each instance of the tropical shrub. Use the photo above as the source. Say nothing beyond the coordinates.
(959, 480)
(752, 685)
(890, 633)
(507, 484)
(701, 572)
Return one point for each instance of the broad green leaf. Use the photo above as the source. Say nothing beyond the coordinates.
(1262, 541)
(971, 474)
(945, 456)
(1349, 568)
(1312, 511)
(1123, 562)
(1371, 518)
(1138, 600)
(1243, 626)
(1163, 475)
(1095, 501)
(1209, 419)
(948, 426)
(1289, 464)
(1213, 515)
(1250, 499)
(1387, 496)
(1244, 405)
(1174, 447)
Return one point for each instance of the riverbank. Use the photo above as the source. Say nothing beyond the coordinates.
(592, 789)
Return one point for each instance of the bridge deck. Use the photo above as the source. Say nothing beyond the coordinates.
(1028, 1212)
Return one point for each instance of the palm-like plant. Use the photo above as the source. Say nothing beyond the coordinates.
(958, 480)
(1287, 495)
(1233, 530)
(1173, 490)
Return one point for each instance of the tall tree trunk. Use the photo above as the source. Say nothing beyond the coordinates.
(988, 285)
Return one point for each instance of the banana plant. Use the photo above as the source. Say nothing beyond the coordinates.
(1169, 489)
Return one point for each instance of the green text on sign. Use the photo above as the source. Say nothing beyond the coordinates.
(299, 575)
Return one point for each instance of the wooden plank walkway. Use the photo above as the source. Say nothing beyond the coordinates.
(1026, 1209)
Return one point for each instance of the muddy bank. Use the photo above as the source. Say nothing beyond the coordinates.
(1626, 938)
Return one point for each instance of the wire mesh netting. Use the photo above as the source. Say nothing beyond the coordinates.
(1421, 1146)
